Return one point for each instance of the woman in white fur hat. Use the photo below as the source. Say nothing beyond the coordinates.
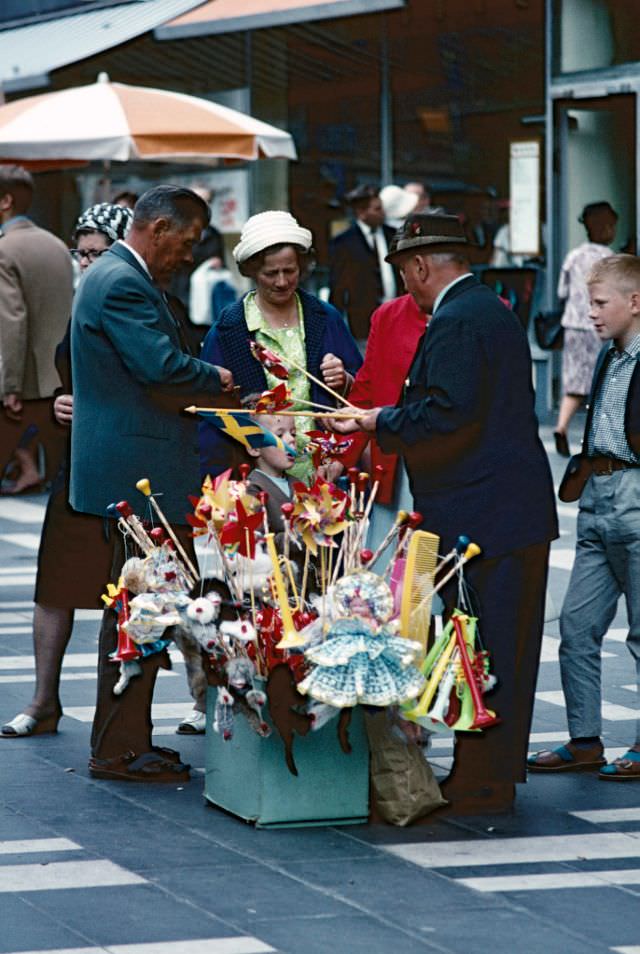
(275, 252)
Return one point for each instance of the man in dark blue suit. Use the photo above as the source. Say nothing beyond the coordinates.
(469, 436)
(132, 374)
(360, 279)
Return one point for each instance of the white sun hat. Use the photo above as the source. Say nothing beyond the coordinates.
(270, 228)
(397, 203)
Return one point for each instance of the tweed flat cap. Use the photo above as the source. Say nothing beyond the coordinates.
(427, 231)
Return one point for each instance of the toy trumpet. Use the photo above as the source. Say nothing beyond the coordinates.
(483, 717)
(450, 660)
(291, 638)
(435, 666)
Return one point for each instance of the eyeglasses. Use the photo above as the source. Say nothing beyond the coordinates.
(91, 254)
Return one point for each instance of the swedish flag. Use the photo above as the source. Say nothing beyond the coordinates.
(245, 428)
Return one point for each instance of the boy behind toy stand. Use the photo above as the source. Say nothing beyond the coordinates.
(606, 479)
(269, 475)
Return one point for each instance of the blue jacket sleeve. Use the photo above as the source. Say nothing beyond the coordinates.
(144, 346)
(340, 341)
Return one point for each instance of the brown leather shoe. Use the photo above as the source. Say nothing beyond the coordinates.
(568, 758)
(129, 767)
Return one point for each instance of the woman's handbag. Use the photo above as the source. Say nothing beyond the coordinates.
(548, 330)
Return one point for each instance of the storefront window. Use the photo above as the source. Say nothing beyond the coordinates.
(594, 34)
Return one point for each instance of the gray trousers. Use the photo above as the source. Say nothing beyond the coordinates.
(607, 565)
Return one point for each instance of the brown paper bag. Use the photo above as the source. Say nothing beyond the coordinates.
(402, 780)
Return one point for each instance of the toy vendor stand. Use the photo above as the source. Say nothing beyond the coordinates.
(248, 775)
(299, 639)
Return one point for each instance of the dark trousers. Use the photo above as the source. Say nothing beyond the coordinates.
(123, 723)
(508, 594)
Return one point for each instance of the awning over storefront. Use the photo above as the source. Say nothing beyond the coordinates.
(29, 53)
(229, 16)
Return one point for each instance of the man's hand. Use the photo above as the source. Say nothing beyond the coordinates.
(13, 406)
(333, 372)
(63, 408)
(331, 471)
(368, 420)
(226, 379)
(365, 422)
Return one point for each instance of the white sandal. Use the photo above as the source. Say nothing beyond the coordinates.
(194, 724)
(24, 725)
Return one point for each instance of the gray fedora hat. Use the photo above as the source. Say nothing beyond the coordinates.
(428, 231)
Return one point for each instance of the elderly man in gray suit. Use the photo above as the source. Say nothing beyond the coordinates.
(35, 303)
(132, 373)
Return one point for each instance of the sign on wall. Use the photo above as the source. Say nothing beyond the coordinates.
(524, 190)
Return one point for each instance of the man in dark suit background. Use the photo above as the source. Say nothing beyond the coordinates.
(467, 429)
(360, 278)
(132, 373)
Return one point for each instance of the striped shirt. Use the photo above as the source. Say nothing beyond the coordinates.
(606, 434)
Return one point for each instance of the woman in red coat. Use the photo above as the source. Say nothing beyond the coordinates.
(396, 329)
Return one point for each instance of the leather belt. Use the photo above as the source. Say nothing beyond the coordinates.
(603, 466)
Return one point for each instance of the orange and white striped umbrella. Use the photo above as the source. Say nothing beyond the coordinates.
(107, 120)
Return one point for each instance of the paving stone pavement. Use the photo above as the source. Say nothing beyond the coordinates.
(90, 866)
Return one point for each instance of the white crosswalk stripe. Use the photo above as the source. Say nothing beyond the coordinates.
(29, 541)
(20, 511)
(512, 851)
(549, 882)
(602, 816)
(59, 875)
(212, 945)
(37, 845)
(570, 849)
(610, 710)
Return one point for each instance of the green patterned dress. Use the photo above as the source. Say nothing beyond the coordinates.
(289, 343)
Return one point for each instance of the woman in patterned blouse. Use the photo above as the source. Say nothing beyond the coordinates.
(275, 252)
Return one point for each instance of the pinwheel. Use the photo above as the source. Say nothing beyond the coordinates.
(325, 446)
(318, 513)
(275, 400)
(240, 532)
(269, 360)
(218, 501)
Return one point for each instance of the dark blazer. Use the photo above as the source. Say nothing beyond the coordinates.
(130, 377)
(354, 278)
(467, 428)
(632, 407)
(227, 345)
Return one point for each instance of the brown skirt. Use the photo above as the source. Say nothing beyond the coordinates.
(74, 559)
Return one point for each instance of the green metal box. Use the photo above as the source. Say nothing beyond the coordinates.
(248, 775)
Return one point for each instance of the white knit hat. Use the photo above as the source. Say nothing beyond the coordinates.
(270, 228)
(397, 202)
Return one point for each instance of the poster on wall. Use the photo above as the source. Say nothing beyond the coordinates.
(524, 190)
(230, 201)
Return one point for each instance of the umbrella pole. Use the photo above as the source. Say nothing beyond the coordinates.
(104, 185)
